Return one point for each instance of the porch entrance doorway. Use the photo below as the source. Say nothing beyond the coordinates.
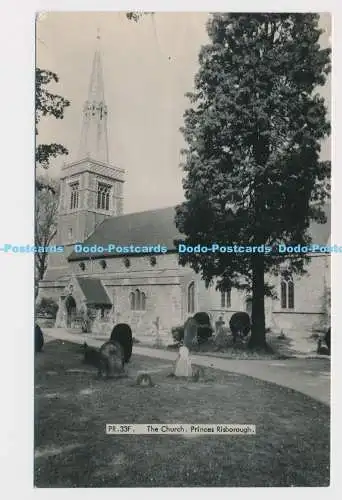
(70, 306)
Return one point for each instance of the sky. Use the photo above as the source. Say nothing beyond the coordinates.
(148, 67)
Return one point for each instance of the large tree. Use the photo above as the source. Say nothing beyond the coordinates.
(252, 161)
(48, 104)
(46, 210)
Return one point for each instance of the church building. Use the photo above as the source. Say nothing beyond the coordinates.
(152, 293)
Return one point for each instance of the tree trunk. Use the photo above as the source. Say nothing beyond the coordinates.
(258, 337)
(40, 266)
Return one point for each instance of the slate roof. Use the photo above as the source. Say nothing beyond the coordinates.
(57, 274)
(148, 228)
(158, 227)
(94, 291)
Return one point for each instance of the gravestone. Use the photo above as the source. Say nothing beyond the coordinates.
(219, 324)
(144, 380)
(222, 337)
(183, 366)
(111, 359)
(190, 333)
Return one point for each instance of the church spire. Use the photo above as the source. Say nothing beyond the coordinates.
(94, 136)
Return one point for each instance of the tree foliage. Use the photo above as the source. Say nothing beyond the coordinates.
(253, 138)
(48, 104)
(46, 208)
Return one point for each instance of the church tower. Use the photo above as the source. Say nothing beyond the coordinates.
(91, 188)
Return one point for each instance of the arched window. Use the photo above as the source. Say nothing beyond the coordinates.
(137, 300)
(143, 301)
(191, 298)
(74, 195)
(287, 292)
(103, 195)
(283, 291)
(132, 301)
(226, 299)
(290, 294)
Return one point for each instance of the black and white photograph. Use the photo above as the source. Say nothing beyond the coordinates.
(182, 253)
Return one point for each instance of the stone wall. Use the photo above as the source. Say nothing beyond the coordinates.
(165, 286)
(115, 265)
(163, 301)
(51, 290)
(309, 293)
(308, 289)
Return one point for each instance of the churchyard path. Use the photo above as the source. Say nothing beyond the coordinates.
(308, 376)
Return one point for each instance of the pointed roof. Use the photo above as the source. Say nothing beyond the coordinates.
(94, 135)
(94, 291)
(147, 228)
(155, 227)
(96, 86)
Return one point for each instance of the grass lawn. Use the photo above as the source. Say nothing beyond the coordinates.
(290, 448)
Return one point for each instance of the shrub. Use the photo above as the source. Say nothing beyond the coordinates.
(38, 338)
(327, 337)
(47, 308)
(122, 334)
(202, 318)
(204, 332)
(240, 324)
(204, 328)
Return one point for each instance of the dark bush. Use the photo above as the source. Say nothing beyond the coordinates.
(322, 349)
(204, 332)
(240, 324)
(47, 308)
(327, 338)
(202, 318)
(204, 328)
(38, 338)
(122, 334)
